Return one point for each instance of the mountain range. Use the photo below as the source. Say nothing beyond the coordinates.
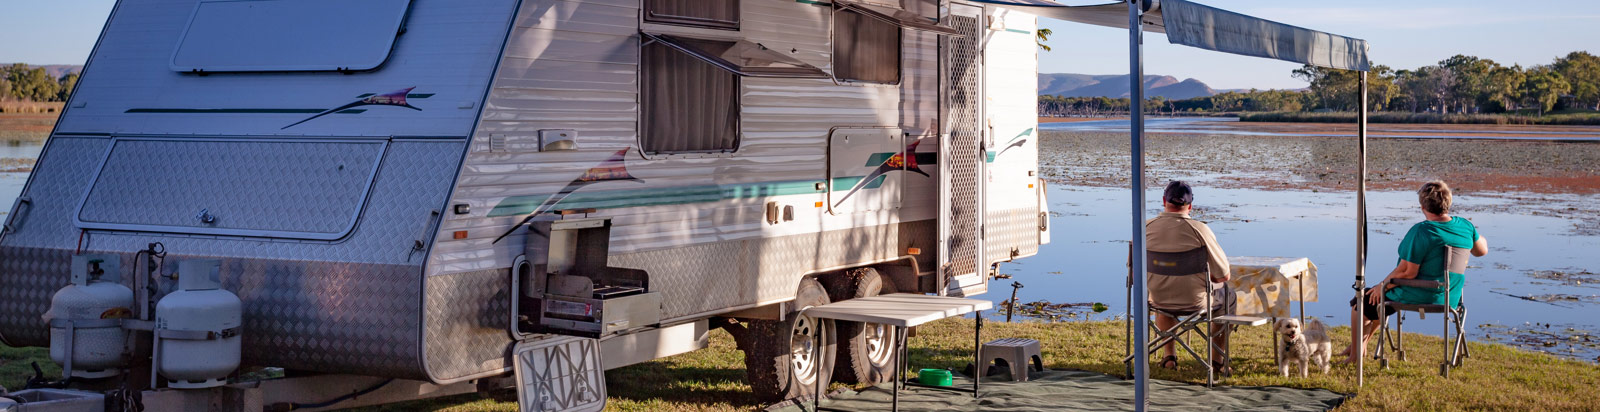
(1116, 85)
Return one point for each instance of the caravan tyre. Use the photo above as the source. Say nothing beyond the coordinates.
(866, 350)
(783, 360)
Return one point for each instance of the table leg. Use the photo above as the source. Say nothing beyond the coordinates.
(900, 366)
(977, 355)
(816, 402)
(1302, 280)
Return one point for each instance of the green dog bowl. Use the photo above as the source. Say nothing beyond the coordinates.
(937, 377)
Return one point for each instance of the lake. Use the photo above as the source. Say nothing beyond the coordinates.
(1090, 227)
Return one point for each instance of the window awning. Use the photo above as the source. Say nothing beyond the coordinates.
(742, 57)
(901, 17)
(1197, 25)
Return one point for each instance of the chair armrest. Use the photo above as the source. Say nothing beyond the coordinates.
(1416, 283)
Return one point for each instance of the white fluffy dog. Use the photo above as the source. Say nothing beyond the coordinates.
(1303, 346)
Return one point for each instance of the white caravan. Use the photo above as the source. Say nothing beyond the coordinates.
(412, 189)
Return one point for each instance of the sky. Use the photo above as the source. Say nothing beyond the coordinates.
(1401, 35)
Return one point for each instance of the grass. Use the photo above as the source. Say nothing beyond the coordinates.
(1497, 377)
(1571, 118)
(25, 127)
(16, 365)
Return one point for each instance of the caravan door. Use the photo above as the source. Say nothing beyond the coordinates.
(961, 154)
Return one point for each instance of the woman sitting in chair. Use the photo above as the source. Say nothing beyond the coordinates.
(1422, 256)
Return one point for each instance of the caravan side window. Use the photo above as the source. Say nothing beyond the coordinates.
(687, 104)
(716, 14)
(865, 49)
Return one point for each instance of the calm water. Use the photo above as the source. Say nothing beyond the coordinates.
(1086, 260)
(11, 183)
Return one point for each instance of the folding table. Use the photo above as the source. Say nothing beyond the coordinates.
(901, 311)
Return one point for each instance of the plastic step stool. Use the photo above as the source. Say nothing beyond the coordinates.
(1018, 354)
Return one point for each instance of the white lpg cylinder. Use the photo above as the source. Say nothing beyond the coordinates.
(200, 306)
(95, 301)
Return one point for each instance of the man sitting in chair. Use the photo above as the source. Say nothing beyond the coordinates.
(1422, 257)
(1174, 231)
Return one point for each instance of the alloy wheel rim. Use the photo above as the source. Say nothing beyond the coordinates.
(803, 350)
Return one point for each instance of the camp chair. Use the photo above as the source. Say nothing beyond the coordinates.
(1190, 320)
(1454, 350)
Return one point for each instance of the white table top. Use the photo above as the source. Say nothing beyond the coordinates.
(899, 309)
(1294, 265)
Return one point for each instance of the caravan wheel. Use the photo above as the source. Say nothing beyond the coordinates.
(783, 360)
(866, 350)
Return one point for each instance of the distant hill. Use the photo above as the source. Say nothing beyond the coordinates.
(1116, 85)
(55, 70)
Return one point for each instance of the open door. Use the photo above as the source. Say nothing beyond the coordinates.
(961, 154)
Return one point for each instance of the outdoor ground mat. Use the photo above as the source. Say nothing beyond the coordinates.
(1066, 390)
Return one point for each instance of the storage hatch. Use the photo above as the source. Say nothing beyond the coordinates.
(313, 190)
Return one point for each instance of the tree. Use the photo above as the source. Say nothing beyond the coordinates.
(31, 84)
(1500, 88)
(1041, 36)
(1470, 73)
(1542, 87)
(1582, 72)
(69, 82)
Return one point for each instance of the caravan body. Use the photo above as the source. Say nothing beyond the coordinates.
(355, 178)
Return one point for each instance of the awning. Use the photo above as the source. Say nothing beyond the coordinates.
(742, 57)
(897, 16)
(1197, 25)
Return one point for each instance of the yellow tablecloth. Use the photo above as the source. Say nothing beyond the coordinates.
(1264, 286)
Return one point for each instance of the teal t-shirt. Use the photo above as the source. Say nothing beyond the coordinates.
(1424, 245)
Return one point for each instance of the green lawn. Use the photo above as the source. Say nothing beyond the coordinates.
(1496, 377)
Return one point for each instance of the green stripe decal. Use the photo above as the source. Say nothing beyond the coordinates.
(813, 2)
(1019, 31)
(521, 205)
(244, 111)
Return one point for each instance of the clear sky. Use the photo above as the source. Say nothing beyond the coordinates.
(1402, 35)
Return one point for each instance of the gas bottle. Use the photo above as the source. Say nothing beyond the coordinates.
(94, 304)
(198, 328)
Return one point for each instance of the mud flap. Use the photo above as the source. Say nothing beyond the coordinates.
(560, 374)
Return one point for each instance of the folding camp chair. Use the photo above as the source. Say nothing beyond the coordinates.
(1454, 350)
(1190, 320)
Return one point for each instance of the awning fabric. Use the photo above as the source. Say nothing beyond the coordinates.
(897, 16)
(1197, 25)
(742, 57)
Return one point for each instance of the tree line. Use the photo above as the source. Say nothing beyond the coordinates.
(19, 82)
(1459, 84)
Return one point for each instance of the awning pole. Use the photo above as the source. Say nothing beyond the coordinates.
(1141, 315)
(1356, 329)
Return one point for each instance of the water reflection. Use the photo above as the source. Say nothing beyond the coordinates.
(1086, 261)
(11, 182)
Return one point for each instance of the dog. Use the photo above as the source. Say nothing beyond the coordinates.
(1303, 346)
